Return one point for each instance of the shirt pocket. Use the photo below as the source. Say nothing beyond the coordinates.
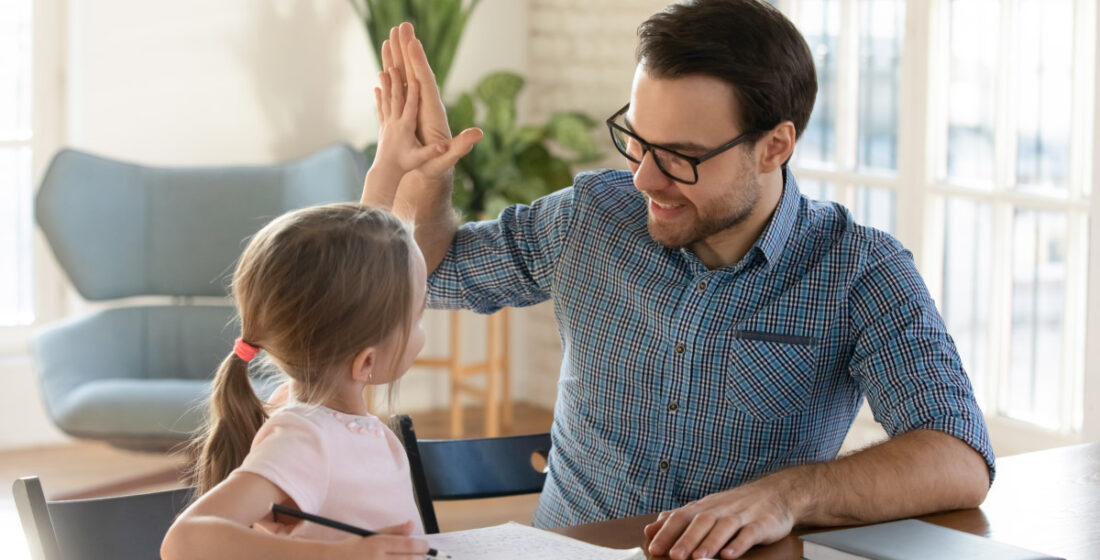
(770, 375)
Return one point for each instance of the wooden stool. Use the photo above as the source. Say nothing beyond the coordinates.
(496, 397)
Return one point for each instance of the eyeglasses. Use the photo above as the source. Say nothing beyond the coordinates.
(676, 166)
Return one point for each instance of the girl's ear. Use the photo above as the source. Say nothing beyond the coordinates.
(362, 367)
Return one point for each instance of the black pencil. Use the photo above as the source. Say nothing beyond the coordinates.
(286, 510)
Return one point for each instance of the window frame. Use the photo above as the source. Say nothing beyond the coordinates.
(48, 46)
(918, 189)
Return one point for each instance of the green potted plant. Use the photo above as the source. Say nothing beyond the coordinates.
(513, 163)
(439, 26)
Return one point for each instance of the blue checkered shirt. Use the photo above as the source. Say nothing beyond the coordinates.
(678, 381)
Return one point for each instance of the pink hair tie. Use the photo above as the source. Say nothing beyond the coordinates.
(244, 350)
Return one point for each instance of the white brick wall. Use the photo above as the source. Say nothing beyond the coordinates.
(580, 53)
(580, 56)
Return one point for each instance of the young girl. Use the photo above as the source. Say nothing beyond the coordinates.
(333, 295)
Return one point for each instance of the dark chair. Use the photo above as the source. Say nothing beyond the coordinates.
(119, 528)
(460, 469)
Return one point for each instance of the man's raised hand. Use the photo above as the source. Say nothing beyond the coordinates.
(400, 151)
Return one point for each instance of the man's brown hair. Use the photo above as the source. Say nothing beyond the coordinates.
(746, 43)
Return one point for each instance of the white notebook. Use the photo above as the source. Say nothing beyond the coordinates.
(512, 540)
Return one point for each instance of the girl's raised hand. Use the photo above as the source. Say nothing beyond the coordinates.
(398, 147)
(400, 151)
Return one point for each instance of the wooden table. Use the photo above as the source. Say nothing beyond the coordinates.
(1047, 501)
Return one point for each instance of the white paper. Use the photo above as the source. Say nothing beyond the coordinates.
(513, 541)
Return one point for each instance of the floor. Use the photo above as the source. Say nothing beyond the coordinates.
(81, 467)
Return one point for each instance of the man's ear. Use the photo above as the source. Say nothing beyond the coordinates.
(362, 367)
(776, 147)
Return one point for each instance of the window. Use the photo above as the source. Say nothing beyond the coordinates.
(965, 128)
(1013, 173)
(16, 298)
(30, 131)
(849, 150)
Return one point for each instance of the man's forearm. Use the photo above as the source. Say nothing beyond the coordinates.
(916, 473)
(426, 206)
(434, 237)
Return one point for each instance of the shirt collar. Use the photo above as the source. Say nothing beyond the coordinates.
(774, 238)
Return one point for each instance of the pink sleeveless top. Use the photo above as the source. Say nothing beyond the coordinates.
(341, 466)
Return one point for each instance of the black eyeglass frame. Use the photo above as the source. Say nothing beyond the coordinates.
(612, 126)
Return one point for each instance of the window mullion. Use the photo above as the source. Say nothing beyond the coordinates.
(50, 45)
(847, 97)
(1004, 172)
(1081, 123)
(1004, 143)
(932, 165)
(829, 175)
(999, 342)
(1015, 198)
(1077, 273)
(912, 130)
(1091, 386)
(1073, 321)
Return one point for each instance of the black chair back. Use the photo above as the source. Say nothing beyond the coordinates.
(117, 528)
(460, 469)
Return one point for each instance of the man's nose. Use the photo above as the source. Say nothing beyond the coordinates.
(648, 177)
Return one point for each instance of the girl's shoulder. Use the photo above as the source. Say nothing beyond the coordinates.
(293, 421)
(321, 419)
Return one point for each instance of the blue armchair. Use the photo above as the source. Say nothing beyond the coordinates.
(136, 375)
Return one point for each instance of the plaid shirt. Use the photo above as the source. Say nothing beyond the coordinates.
(678, 381)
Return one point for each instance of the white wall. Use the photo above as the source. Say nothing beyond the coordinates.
(21, 409)
(246, 81)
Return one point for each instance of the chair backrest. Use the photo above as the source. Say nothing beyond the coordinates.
(118, 528)
(137, 376)
(457, 469)
(120, 229)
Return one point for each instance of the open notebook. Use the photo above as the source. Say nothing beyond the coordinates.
(511, 540)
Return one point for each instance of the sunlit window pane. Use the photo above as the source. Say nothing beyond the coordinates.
(15, 236)
(881, 24)
(875, 207)
(1038, 306)
(15, 162)
(15, 69)
(971, 95)
(1044, 86)
(819, 21)
(817, 190)
(965, 300)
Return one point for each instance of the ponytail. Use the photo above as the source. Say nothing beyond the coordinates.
(236, 414)
(301, 292)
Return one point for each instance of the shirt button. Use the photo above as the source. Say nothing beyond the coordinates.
(663, 465)
(673, 407)
(701, 286)
(679, 348)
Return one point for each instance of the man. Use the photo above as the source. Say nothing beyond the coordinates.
(719, 329)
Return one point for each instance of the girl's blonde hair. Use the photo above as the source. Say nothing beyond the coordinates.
(313, 288)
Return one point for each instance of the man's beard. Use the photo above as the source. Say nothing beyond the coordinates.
(738, 205)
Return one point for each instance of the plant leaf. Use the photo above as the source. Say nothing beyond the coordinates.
(572, 130)
(551, 171)
(499, 91)
(460, 115)
(369, 152)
